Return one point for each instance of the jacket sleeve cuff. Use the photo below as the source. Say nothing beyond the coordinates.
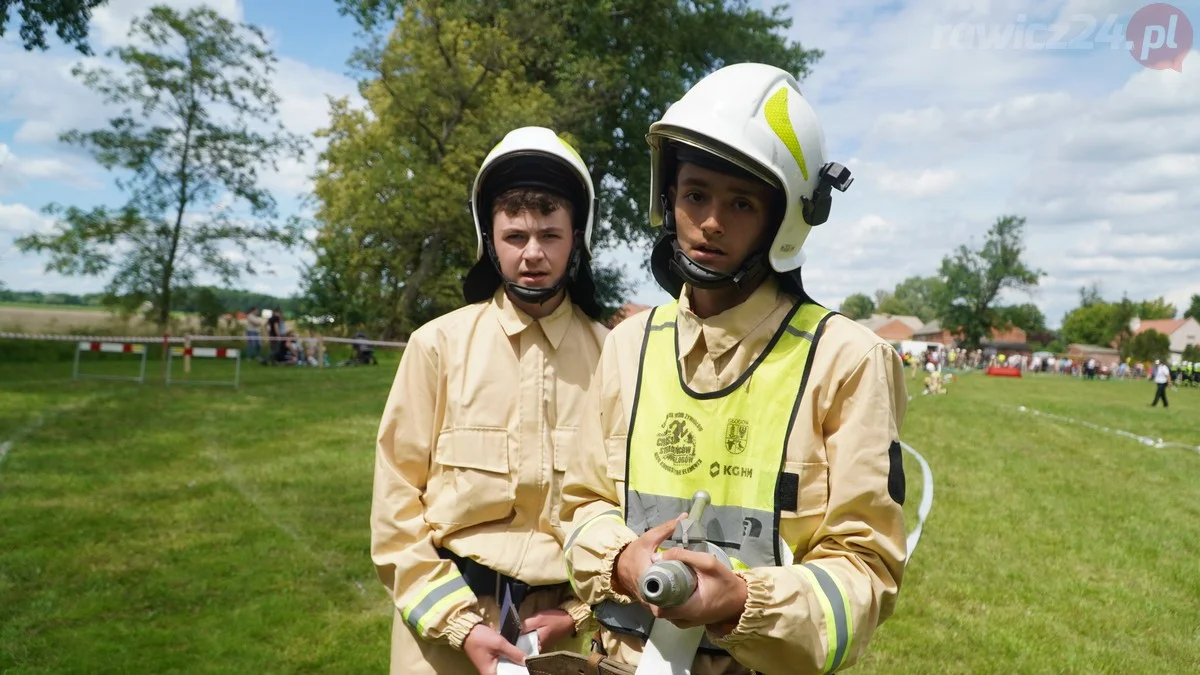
(753, 620)
(607, 590)
(580, 612)
(460, 625)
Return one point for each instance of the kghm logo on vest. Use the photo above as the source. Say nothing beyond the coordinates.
(737, 471)
(677, 443)
(737, 431)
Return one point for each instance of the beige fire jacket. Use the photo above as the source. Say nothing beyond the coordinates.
(470, 457)
(844, 445)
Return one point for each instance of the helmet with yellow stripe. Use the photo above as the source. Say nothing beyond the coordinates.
(752, 118)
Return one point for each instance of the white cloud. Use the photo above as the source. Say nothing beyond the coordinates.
(986, 123)
(1018, 112)
(917, 184)
(910, 124)
(38, 92)
(19, 219)
(304, 93)
(16, 172)
(111, 21)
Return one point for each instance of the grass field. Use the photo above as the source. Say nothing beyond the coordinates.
(213, 530)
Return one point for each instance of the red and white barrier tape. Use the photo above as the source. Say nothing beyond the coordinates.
(267, 338)
(206, 352)
(89, 338)
(178, 340)
(112, 347)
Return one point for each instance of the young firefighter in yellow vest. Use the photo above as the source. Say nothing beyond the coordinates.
(485, 406)
(787, 414)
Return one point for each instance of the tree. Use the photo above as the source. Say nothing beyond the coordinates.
(1148, 345)
(915, 296)
(210, 309)
(1026, 316)
(1089, 325)
(612, 67)
(395, 236)
(857, 306)
(1191, 353)
(68, 18)
(187, 160)
(1193, 310)
(974, 279)
(1158, 308)
(1089, 295)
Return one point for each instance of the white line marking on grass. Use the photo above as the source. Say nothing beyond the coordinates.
(231, 474)
(7, 446)
(926, 506)
(1144, 440)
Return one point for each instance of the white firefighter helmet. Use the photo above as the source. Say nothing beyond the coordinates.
(536, 158)
(754, 116)
(533, 157)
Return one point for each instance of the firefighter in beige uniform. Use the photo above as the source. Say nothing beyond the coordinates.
(787, 414)
(485, 406)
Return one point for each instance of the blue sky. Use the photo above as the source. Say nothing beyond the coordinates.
(950, 113)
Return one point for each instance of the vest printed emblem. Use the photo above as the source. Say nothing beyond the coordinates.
(736, 433)
(676, 451)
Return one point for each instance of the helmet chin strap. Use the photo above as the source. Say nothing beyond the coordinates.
(531, 294)
(752, 270)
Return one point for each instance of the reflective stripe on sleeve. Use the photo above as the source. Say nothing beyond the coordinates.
(836, 605)
(611, 513)
(433, 601)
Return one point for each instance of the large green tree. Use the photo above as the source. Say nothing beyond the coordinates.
(1091, 324)
(1099, 322)
(395, 236)
(67, 18)
(1156, 308)
(1148, 345)
(199, 124)
(1193, 310)
(613, 66)
(1191, 353)
(915, 296)
(1025, 316)
(974, 279)
(452, 77)
(857, 306)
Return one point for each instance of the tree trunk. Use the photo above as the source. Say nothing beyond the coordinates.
(430, 259)
(177, 229)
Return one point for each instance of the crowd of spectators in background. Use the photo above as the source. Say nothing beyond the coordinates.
(1091, 368)
(283, 347)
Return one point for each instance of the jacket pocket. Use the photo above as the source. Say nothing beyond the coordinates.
(812, 498)
(470, 483)
(615, 464)
(566, 441)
